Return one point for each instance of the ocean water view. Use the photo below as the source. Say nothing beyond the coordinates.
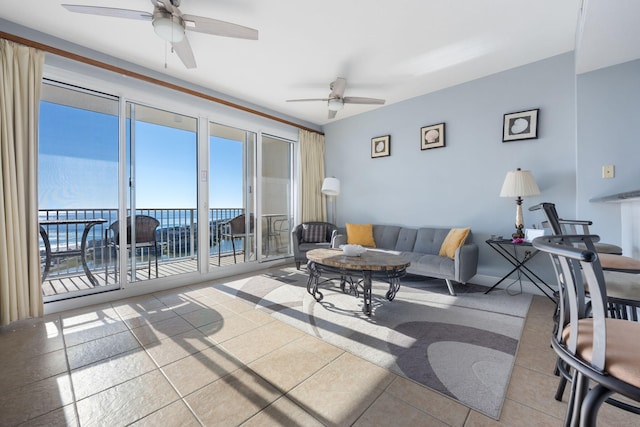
(67, 236)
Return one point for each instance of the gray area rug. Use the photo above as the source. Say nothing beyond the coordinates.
(463, 346)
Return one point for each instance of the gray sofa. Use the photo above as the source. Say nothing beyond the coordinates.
(421, 246)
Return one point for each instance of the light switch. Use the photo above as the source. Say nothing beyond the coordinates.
(608, 171)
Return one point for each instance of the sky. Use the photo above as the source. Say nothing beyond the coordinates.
(78, 163)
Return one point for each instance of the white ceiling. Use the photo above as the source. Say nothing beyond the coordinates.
(390, 49)
(609, 35)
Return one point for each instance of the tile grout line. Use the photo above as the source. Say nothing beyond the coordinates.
(66, 358)
(159, 368)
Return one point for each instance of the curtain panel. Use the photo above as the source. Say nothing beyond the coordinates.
(312, 176)
(21, 70)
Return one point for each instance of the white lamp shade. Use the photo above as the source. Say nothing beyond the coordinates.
(331, 186)
(519, 183)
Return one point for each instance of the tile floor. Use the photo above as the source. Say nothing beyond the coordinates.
(196, 356)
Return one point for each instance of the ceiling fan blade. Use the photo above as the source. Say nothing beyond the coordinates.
(310, 99)
(108, 11)
(337, 87)
(216, 27)
(185, 53)
(332, 114)
(361, 100)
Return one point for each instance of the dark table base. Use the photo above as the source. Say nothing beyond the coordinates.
(346, 275)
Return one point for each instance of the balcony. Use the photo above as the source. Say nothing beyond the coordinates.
(176, 234)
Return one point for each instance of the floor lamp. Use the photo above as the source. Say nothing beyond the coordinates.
(519, 183)
(331, 188)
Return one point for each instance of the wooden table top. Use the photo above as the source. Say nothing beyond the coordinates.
(370, 260)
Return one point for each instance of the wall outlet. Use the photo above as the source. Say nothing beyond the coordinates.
(608, 171)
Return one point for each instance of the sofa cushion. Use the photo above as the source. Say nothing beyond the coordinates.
(406, 240)
(386, 236)
(429, 240)
(360, 234)
(314, 233)
(304, 247)
(455, 238)
(430, 265)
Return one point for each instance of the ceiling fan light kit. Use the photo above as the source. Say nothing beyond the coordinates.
(336, 100)
(170, 24)
(167, 26)
(335, 104)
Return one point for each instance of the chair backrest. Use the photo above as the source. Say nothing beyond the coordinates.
(550, 212)
(238, 225)
(297, 231)
(561, 226)
(572, 265)
(145, 229)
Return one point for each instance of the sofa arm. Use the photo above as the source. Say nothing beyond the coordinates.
(295, 238)
(466, 262)
(338, 239)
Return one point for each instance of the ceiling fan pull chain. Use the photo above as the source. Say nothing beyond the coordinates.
(165, 55)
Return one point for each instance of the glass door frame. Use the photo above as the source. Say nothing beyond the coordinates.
(291, 196)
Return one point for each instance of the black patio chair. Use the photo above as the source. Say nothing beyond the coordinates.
(233, 229)
(145, 238)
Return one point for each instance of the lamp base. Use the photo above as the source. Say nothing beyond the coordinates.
(518, 234)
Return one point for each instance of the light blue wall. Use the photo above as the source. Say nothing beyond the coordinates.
(459, 185)
(608, 109)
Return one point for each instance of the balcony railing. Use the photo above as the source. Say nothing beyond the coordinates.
(177, 233)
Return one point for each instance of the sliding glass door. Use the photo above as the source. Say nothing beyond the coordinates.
(232, 222)
(276, 200)
(77, 189)
(162, 178)
(118, 193)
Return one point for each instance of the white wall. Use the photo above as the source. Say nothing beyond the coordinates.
(458, 185)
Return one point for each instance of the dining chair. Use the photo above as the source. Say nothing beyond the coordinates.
(145, 238)
(233, 229)
(610, 255)
(572, 226)
(600, 350)
(623, 300)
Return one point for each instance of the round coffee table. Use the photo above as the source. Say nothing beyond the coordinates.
(381, 265)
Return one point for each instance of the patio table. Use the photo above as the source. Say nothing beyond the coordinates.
(88, 223)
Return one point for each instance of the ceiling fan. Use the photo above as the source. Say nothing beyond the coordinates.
(336, 100)
(170, 24)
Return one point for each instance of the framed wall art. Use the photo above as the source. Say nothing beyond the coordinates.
(381, 146)
(521, 125)
(432, 136)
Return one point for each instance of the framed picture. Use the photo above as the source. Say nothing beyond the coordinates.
(381, 146)
(432, 136)
(521, 125)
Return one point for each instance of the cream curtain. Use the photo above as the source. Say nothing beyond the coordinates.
(20, 80)
(312, 175)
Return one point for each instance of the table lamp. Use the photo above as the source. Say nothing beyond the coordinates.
(331, 188)
(517, 184)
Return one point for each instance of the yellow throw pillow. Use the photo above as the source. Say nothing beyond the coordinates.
(453, 241)
(360, 234)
